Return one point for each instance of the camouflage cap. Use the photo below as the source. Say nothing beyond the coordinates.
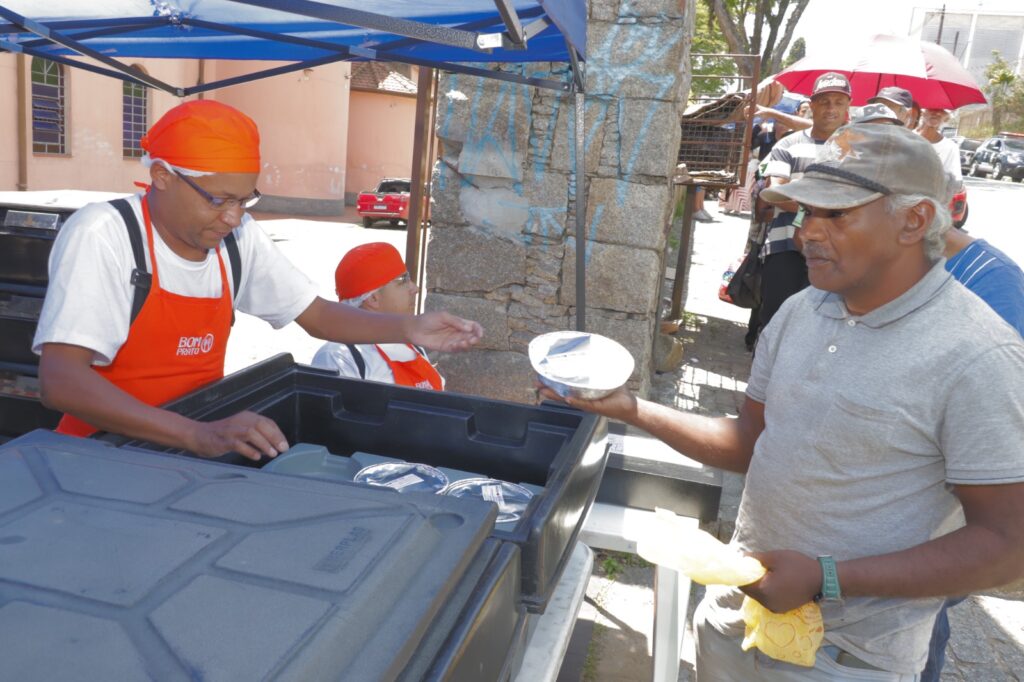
(861, 163)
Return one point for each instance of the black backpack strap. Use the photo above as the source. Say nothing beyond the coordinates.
(235, 258)
(141, 279)
(358, 357)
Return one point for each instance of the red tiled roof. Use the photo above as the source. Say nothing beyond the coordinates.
(379, 76)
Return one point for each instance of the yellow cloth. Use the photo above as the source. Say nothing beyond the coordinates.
(793, 637)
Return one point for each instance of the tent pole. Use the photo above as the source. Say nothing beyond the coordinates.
(581, 213)
(419, 191)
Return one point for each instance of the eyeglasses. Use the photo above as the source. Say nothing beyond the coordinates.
(222, 203)
(401, 279)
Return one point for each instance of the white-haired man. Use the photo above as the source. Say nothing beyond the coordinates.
(871, 420)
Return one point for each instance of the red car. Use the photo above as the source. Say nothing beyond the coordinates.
(390, 201)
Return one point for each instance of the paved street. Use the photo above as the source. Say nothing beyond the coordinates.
(995, 214)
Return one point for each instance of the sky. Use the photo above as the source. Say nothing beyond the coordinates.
(827, 22)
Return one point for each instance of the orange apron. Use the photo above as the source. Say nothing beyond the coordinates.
(176, 344)
(418, 373)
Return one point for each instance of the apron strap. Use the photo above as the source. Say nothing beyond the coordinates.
(235, 258)
(142, 280)
(358, 357)
(140, 277)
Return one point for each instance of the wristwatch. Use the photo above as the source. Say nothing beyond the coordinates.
(829, 581)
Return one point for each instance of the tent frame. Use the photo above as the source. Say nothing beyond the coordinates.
(469, 36)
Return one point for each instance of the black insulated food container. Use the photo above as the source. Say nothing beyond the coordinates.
(121, 564)
(26, 238)
(559, 449)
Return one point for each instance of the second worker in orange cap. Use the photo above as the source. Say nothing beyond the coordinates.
(143, 290)
(373, 277)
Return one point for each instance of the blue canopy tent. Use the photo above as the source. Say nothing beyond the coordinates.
(450, 35)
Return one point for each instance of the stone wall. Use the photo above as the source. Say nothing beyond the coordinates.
(502, 247)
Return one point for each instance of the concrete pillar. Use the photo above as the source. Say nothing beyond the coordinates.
(502, 247)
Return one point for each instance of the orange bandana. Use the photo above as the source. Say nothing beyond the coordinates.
(366, 268)
(205, 135)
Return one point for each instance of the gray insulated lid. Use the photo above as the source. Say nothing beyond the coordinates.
(130, 565)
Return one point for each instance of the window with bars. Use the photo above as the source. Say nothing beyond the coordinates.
(134, 104)
(49, 114)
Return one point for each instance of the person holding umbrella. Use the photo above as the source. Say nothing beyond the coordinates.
(932, 121)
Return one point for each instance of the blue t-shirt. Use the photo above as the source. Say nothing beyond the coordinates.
(994, 277)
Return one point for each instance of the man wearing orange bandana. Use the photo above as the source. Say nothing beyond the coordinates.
(142, 293)
(373, 277)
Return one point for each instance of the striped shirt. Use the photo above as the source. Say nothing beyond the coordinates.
(789, 159)
(992, 276)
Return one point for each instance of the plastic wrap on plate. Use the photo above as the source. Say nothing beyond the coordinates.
(403, 477)
(511, 499)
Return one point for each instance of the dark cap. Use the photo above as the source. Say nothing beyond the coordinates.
(876, 113)
(861, 163)
(897, 96)
(831, 82)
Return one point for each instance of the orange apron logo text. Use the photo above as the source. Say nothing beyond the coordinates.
(194, 345)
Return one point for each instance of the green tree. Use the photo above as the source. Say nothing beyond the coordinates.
(1005, 92)
(796, 53)
(708, 71)
(773, 23)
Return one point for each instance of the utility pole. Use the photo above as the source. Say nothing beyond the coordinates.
(942, 20)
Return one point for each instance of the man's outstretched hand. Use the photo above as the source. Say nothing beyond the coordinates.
(620, 404)
(442, 331)
(247, 433)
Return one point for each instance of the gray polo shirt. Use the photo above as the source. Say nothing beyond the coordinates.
(866, 420)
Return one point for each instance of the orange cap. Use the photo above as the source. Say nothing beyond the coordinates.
(366, 268)
(205, 135)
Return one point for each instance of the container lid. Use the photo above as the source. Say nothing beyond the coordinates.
(347, 580)
(403, 477)
(511, 499)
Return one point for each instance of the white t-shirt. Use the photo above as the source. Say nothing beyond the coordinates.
(337, 356)
(89, 297)
(949, 154)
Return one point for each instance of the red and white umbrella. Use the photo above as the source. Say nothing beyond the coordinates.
(930, 72)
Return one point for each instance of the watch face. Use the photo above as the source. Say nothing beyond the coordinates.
(829, 579)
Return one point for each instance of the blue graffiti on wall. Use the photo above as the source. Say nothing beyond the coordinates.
(648, 47)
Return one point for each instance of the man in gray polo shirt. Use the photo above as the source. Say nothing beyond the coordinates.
(884, 400)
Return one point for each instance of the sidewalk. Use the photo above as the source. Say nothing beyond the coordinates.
(987, 641)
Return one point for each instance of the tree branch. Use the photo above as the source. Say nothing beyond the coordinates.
(787, 36)
(773, 22)
(759, 14)
(735, 37)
